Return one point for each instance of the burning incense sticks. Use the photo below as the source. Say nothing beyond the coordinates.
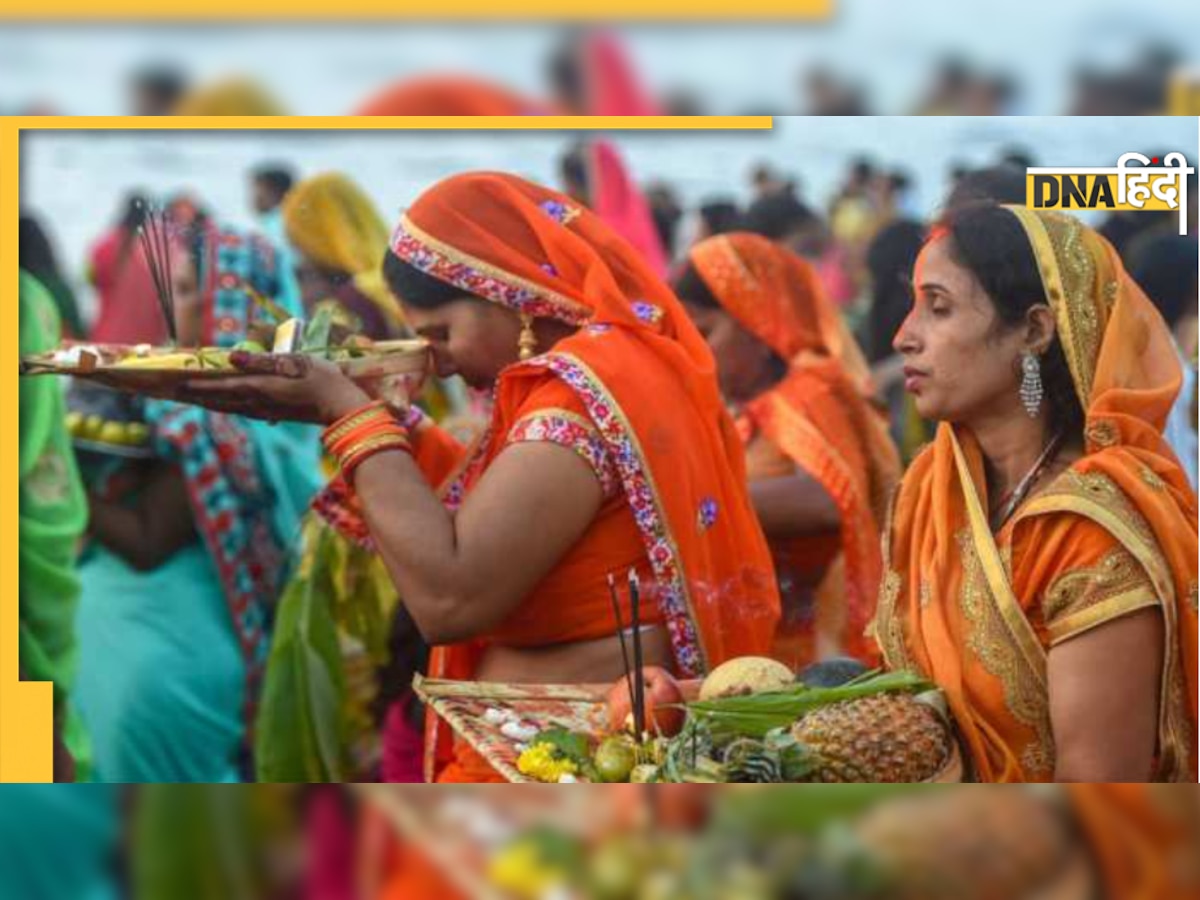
(156, 246)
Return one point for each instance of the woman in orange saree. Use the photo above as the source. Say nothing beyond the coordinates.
(806, 415)
(1048, 530)
(608, 449)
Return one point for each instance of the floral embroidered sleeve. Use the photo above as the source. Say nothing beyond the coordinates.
(575, 432)
(1080, 577)
(1084, 598)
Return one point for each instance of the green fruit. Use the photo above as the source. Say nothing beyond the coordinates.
(137, 433)
(74, 423)
(615, 759)
(250, 347)
(111, 433)
(91, 427)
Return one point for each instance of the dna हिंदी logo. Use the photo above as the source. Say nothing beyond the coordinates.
(1137, 182)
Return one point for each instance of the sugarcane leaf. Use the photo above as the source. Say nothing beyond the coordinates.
(266, 305)
(757, 714)
(317, 331)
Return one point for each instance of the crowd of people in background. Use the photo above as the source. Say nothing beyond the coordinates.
(954, 86)
(862, 242)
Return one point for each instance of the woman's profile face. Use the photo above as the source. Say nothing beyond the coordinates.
(742, 359)
(470, 337)
(960, 363)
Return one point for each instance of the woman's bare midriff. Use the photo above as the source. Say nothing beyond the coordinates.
(584, 662)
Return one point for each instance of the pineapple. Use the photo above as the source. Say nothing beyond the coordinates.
(888, 738)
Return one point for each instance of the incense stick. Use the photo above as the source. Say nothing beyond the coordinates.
(616, 602)
(639, 706)
(168, 283)
(152, 234)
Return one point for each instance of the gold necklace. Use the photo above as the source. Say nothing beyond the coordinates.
(1026, 484)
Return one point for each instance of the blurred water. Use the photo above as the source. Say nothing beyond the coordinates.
(76, 180)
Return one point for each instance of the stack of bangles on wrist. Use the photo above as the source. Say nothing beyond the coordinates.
(359, 435)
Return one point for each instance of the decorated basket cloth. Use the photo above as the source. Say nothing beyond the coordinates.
(471, 707)
(478, 712)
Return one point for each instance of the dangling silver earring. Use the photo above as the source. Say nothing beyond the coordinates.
(1032, 390)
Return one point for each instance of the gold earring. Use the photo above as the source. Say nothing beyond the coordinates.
(527, 342)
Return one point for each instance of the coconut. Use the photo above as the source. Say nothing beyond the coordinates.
(746, 675)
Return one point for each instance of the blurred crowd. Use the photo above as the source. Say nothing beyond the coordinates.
(1136, 81)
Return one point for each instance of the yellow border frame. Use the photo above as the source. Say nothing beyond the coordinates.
(26, 708)
(74, 11)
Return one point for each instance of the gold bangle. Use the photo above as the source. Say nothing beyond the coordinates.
(371, 444)
(351, 421)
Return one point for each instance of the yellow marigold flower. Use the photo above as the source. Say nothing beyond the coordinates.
(541, 761)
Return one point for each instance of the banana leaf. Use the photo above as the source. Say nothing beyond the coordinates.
(363, 595)
(299, 733)
(315, 722)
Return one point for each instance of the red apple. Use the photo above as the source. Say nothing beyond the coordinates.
(664, 703)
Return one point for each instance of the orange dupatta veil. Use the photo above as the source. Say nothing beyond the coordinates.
(948, 608)
(449, 95)
(644, 375)
(821, 415)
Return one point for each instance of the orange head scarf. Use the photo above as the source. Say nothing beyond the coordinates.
(821, 414)
(1126, 374)
(449, 95)
(645, 376)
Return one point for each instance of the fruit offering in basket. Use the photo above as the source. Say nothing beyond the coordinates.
(876, 728)
(142, 368)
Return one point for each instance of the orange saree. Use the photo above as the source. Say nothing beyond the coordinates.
(1116, 533)
(821, 418)
(633, 391)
